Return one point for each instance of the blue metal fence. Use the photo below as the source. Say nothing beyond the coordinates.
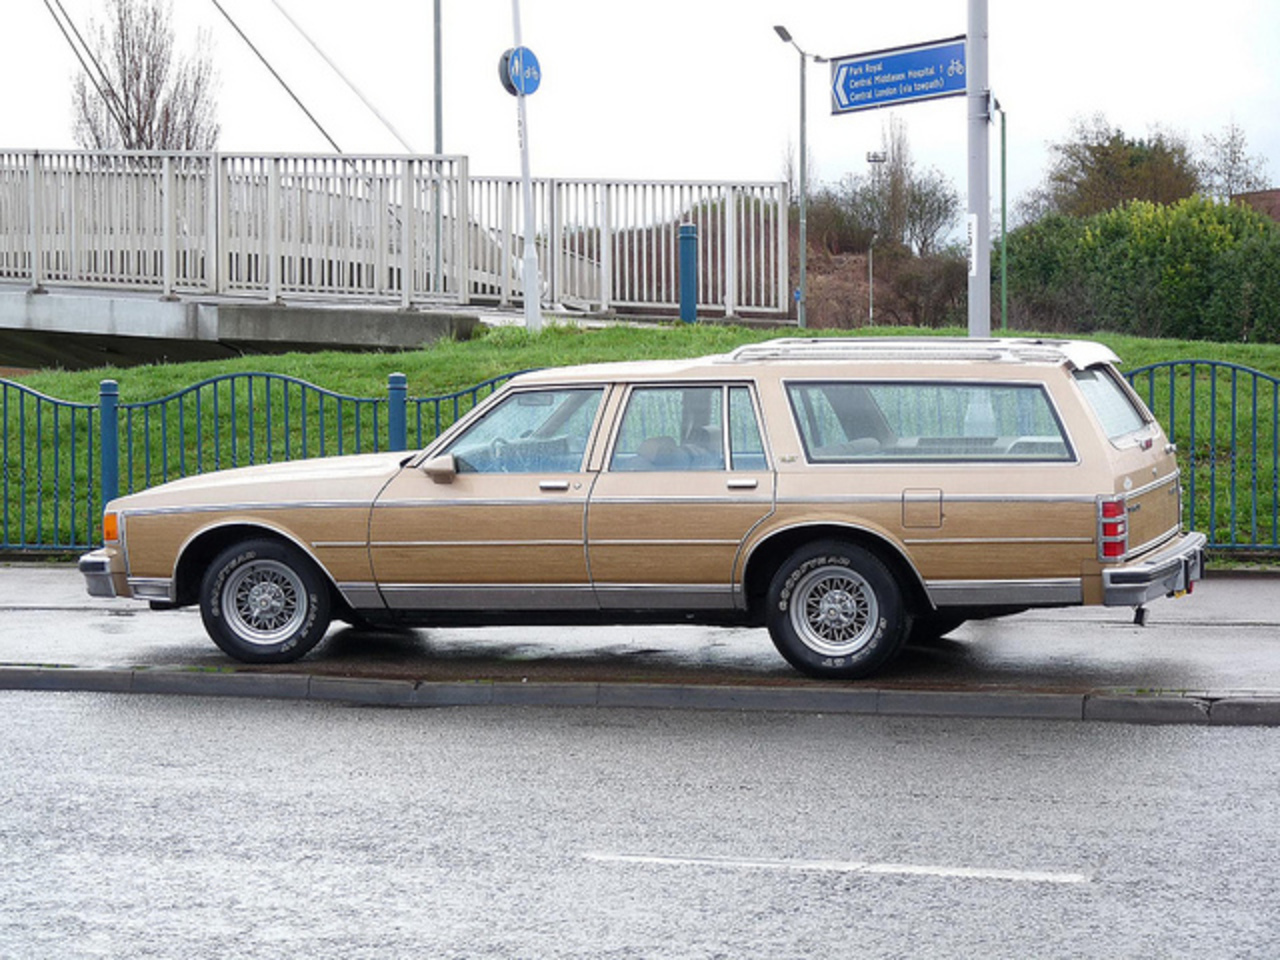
(50, 488)
(63, 460)
(1223, 417)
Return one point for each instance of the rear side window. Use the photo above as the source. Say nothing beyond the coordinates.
(686, 428)
(846, 421)
(1111, 403)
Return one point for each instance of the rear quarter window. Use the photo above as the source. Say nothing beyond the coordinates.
(1113, 405)
(851, 421)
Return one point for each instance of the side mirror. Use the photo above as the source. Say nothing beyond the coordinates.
(440, 469)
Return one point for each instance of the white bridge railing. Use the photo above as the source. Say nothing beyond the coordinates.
(397, 229)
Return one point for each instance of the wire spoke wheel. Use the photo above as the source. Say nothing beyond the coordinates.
(262, 601)
(265, 602)
(835, 611)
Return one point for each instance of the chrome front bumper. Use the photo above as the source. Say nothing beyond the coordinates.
(99, 579)
(1170, 571)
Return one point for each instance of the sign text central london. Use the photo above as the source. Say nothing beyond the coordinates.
(885, 78)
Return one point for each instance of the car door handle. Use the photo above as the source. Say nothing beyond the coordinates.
(743, 483)
(554, 485)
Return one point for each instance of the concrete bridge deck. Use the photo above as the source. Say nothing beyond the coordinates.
(82, 327)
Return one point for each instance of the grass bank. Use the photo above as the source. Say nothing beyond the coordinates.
(449, 366)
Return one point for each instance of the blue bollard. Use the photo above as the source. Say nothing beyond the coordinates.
(397, 411)
(688, 272)
(109, 439)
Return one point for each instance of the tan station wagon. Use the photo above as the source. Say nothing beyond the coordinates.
(848, 494)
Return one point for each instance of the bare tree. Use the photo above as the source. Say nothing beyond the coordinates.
(1226, 168)
(148, 96)
(932, 208)
(791, 171)
(899, 204)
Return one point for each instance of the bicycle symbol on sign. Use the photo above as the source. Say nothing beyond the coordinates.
(955, 68)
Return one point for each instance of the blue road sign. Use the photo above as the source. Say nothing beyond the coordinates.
(885, 78)
(524, 70)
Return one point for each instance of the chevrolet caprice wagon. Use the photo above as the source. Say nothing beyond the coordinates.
(847, 494)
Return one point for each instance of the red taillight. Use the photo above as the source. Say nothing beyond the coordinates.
(1113, 529)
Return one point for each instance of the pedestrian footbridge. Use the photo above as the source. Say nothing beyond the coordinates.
(381, 232)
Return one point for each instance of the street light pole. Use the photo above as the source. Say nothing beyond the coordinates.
(785, 35)
(871, 281)
(1004, 249)
(439, 100)
(873, 157)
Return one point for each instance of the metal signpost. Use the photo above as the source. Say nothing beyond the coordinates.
(521, 75)
(978, 94)
(928, 71)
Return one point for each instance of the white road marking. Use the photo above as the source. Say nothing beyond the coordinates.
(845, 866)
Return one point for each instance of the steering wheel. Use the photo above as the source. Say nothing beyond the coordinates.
(499, 452)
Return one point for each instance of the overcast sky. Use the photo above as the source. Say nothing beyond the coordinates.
(687, 89)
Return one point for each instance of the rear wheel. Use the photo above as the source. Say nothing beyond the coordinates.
(836, 611)
(263, 601)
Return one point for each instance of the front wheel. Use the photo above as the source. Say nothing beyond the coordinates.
(262, 601)
(836, 611)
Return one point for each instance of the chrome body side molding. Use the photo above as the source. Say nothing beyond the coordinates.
(152, 588)
(361, 596)
(668, 596)
(1066, 591)
(488, 596)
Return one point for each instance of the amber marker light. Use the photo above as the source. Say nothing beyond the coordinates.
(110, 527)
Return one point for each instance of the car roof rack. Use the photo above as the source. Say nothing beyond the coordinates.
(1079, 353)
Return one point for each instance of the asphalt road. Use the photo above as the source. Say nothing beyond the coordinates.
(191, 827)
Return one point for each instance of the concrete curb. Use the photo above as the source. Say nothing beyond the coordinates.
(1261, 709)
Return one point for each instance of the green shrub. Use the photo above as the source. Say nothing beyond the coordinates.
(1194, 269)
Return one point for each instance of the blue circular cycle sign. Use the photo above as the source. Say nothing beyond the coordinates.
(520, 71)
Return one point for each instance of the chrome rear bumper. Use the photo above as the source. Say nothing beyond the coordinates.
(1169, 571)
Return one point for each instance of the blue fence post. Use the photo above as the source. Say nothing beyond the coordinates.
(688, 272)
(109, 438)
(397, 411)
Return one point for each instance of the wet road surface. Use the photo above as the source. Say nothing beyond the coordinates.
(190, 827)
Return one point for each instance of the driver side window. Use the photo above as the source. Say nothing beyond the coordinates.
(532, 431)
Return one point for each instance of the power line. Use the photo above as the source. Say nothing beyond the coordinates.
(354, 89)
(301, 106)
(109, 97)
